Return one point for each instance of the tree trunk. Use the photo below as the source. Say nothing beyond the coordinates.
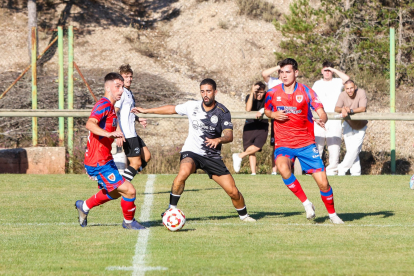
(32, 14)
(346, 40)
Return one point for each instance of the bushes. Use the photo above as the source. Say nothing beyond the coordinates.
(259, 9)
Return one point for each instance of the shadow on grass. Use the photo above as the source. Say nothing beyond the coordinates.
(260, 215)
(189, 190)
(356, 216)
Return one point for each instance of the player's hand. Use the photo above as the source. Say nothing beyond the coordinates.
(280, 115)
(212, 143)
(137, 110)
(320, 123)
(119, 142)
(143, 122)
(259, 115)
(116, 134)
(344, 112)
(90, 177)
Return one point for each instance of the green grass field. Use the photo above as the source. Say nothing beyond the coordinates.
(40, 235)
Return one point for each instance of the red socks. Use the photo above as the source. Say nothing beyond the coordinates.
(100, 198)
(128, 208)
(327, 198)
(293, 184)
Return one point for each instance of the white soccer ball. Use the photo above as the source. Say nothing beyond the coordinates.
(412, 182)
(173, 219)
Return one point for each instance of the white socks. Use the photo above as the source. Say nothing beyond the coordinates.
(306, 202)
(85, 207)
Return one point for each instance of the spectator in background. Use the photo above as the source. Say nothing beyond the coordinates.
(272, 82)
(352, 100)
(255, 131)
(328, 89)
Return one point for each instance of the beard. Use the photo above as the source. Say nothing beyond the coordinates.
(210, 102)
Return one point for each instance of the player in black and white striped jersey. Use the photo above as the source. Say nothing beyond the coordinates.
(135, 149)
(208, 121)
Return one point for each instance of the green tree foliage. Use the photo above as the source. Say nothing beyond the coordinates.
(313, 35)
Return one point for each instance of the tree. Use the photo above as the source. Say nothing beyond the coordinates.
(353, 34)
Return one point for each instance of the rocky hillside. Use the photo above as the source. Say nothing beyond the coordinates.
(171, 45)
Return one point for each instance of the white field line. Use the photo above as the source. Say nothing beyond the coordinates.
(301, 224)
(138, 261)
(223, 224)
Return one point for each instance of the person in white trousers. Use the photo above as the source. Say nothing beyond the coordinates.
(328, 89)
(352, 100)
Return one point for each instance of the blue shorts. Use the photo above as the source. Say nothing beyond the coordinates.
(308, 156)
(108, 176)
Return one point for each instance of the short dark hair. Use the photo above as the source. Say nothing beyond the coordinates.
(210, 82)
(348, 81)
(125, 68)
(289, 61)
(113, 76)
(261, 85)
(327, 64)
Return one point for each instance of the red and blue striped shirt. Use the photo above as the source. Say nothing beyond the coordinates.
(297, 131)
(98, 150)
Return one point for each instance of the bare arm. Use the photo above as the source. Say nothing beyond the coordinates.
(92, 126)
(164, 110)
(266, 73)
(249, 102)
(323, 118)
(278, 115)
(226, 138)
(340, 74)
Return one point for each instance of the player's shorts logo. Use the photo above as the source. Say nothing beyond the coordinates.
(299, 98)
(111, 177)
(214, 119)
(315, 150)
(137, 150)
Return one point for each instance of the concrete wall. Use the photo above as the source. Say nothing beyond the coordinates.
(36, 160)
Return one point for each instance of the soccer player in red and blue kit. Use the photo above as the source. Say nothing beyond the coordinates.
(289, 104)
(99, 164)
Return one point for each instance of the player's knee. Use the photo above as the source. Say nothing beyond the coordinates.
(130, 191)
(284, 168)
(135, 163)
(234, 194)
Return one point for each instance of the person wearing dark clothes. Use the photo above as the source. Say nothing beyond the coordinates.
(255, 130)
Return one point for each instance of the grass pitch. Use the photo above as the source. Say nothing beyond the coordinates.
(40, 235)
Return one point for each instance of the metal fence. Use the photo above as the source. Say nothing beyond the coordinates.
(168, 66)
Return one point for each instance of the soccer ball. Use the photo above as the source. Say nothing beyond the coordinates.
(173, 219)
(412, 182)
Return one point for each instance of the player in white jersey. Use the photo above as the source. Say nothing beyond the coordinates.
(328, 90)
(135, 149)
(208, 120)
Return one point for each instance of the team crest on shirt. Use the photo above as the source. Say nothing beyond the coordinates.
(214, 119)
(299, 98)
(111, 177)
